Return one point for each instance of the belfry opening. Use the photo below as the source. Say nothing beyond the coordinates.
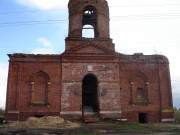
(90, 19)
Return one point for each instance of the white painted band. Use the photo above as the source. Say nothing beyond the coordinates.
(122, 119)
(101, 112)
(110, 112)
(167, 120)
(71, 112)
(88, 113)
(16, 112)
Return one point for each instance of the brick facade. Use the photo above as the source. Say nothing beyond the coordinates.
(89, 73)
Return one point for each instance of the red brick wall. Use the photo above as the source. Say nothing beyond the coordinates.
(108, 78)
(19, 84)
(65, 77)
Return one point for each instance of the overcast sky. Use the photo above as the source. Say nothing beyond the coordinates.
(40, 26)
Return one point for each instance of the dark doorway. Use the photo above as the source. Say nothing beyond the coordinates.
(38, 115)
(90, 92)
(143, 118)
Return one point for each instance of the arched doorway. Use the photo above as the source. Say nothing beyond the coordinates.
(90, 92)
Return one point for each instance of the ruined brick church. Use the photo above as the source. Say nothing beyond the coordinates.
(89, 75)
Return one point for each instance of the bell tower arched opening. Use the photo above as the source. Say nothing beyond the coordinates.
(90, 19)
(88, 31)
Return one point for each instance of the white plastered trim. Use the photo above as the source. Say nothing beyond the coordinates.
(71, 112)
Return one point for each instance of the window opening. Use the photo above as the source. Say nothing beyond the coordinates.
(139, 89)
(38, 115)
(143, 118)
(140, 93)
(40, 90)
(88, 31)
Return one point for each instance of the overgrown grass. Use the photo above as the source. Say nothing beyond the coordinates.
(86, 134)
(130, 127)
(1, 112)
(177, 115)
(138, 128)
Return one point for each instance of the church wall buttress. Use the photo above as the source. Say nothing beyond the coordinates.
(12, 86)
(165, 91)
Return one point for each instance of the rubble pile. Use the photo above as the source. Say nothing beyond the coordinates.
(49, 120)
(43, 122)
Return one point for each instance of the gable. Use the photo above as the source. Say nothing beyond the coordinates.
(90, 49)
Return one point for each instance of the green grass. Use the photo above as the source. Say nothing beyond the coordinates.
(138, 128)
(130, 127)
(177, 115)
(1, 113)
(86, 134)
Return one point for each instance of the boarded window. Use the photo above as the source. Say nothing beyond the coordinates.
(40, 89)
(140, 93)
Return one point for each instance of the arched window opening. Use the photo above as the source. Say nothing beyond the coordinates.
(39, 88)
(88, 31)
(139, 88)
(89, 22)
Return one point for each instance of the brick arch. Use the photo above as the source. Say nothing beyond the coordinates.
(139, 88)
(139, 74)
(40, 73)
(39, 88)
(90, 7)
(90, 74)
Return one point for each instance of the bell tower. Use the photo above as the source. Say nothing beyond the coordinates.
(88, 15)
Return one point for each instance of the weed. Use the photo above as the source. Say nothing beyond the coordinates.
(1, 113)
(177, 115)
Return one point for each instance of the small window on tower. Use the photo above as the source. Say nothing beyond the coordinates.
(140, 93)
(88, 31)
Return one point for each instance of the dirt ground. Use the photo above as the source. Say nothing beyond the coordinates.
(59, 126)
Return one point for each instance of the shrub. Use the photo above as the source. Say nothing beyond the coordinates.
(1, 112)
